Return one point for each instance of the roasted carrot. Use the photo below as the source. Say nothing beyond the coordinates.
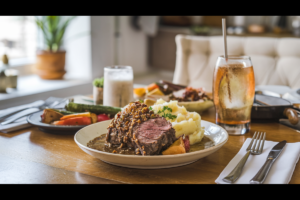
(86, 114)
(152, 87)
(74, 121)
(139, 91)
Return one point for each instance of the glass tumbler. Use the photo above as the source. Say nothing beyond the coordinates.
(118, 86)
(233, 93)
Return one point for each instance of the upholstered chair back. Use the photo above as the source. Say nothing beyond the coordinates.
(276, 61)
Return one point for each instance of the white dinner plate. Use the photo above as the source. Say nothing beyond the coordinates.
(84, 135)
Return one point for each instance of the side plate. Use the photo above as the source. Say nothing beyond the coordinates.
(35, 119)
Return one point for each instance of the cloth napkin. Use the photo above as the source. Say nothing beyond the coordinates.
(281, 171)
(17, 125)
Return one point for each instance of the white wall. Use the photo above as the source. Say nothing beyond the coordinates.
(78, 47)
(133, 48)
(102, 43)
(130, 48)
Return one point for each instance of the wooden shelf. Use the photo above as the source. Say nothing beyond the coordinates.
(279, 35)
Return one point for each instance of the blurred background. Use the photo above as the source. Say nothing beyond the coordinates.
(147, 43)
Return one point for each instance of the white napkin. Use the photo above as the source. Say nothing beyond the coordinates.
(281, 171)
(17, 125)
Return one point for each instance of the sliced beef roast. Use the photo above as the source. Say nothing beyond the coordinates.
(154, 135)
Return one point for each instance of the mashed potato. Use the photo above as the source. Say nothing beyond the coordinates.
(187, 123)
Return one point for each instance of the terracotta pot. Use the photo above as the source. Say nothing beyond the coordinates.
(51, 65)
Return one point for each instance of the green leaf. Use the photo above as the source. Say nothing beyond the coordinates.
(53, 29)
(99, 82)
(53, 22)
(41, 25)
(61, 32)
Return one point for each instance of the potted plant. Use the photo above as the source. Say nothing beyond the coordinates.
(98, 90)
(50, 63)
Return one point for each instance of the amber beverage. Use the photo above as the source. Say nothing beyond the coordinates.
(233, 93)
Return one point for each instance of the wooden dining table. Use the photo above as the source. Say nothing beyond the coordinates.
(31, 156)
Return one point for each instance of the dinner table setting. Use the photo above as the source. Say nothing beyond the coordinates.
(160, 133)
(58, 159)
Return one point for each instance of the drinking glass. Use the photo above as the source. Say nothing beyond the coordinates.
(233, 93)
(117, 86)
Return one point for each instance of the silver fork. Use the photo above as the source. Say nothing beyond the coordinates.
(253, 149)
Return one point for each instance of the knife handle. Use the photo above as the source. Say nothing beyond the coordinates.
(261, 175)
(292, 115)
(236, 172)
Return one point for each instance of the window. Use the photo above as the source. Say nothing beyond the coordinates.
(18, 38)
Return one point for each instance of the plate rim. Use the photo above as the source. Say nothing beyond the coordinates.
(155, 156)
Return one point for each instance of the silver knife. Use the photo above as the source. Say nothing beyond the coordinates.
(15, 109)
(261, 175)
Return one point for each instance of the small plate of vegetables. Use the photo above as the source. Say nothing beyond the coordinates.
(73, 118)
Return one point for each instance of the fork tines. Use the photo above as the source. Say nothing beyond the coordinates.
(257, 149)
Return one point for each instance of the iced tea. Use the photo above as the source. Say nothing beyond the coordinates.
(233, 91)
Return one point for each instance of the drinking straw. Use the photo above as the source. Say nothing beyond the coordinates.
(224, 36)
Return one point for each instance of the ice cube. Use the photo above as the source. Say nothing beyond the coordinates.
(232, 89)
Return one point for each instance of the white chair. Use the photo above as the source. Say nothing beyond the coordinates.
(276, 61)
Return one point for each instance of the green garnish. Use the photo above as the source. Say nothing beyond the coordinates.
(98, 82)
(150, 108)
(167, 115)
(164, 109)
(141, 101)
